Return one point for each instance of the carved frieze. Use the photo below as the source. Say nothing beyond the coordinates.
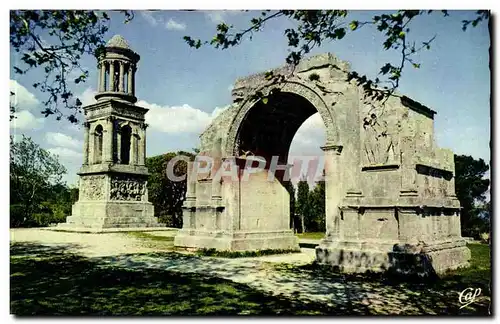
(92, 187)
(380, 138)
(127, 188)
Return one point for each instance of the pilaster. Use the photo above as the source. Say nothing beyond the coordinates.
(333, 187)
(111, 75)
(86, 126)
(122, 75)
(108, 140)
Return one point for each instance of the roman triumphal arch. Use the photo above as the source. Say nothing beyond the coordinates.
(390, 195)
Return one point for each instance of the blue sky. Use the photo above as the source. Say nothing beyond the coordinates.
(185, 88)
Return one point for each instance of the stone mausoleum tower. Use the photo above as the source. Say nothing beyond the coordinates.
(113, 177)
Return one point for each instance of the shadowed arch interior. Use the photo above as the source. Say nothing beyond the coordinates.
(268, 129)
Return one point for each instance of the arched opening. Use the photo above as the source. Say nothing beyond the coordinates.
(267, 130)
(98, 133)
(308, 213)
(126, 136)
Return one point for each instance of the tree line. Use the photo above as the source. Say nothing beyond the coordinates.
(39, 197)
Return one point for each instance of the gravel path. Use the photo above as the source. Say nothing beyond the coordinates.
(89, 245)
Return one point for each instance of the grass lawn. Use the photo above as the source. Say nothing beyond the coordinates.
(479, 272)
(49, 281)
(311, 235)
(157, 242)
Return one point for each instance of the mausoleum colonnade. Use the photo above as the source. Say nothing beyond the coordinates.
(116, 75)
(126, 140)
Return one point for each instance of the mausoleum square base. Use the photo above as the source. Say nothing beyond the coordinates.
(111, 214)
(396, 256)
(237, 241)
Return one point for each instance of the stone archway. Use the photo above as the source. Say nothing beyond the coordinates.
(390, 199)
(253, 213)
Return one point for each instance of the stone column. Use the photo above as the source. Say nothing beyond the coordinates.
(91, 147)
(450, 189)
(132, 81)
(122, 74)
(132, 148)
(86, 125)
(190, 181)
(111, 75)
(142, 146)
(99, 81)
(333, 188)
(108, 147)
(102, 82)
(140, 152)
(129, 83)
(188, 215)
(118, 145)
(215, 174)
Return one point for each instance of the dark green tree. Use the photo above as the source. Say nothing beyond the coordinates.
(470, 188)
(316, 222)
(35, 177)
(166, 195)
(303, 203)
(56, 205)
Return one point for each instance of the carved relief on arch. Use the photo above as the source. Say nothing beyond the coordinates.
(379, 136)
(291, 86)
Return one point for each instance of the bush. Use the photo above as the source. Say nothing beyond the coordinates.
(42, 219)
(45, 214)
(17, 216)
(170, 220)
(485, 238)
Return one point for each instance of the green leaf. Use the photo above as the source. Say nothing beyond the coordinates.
(353, 25)
(340, 33)
(265, 100)
(385, 69)
(416, 65)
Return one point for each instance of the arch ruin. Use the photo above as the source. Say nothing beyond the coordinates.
(390, 196)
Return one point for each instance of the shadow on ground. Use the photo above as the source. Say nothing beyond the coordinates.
(404, 294)
(45, 280)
